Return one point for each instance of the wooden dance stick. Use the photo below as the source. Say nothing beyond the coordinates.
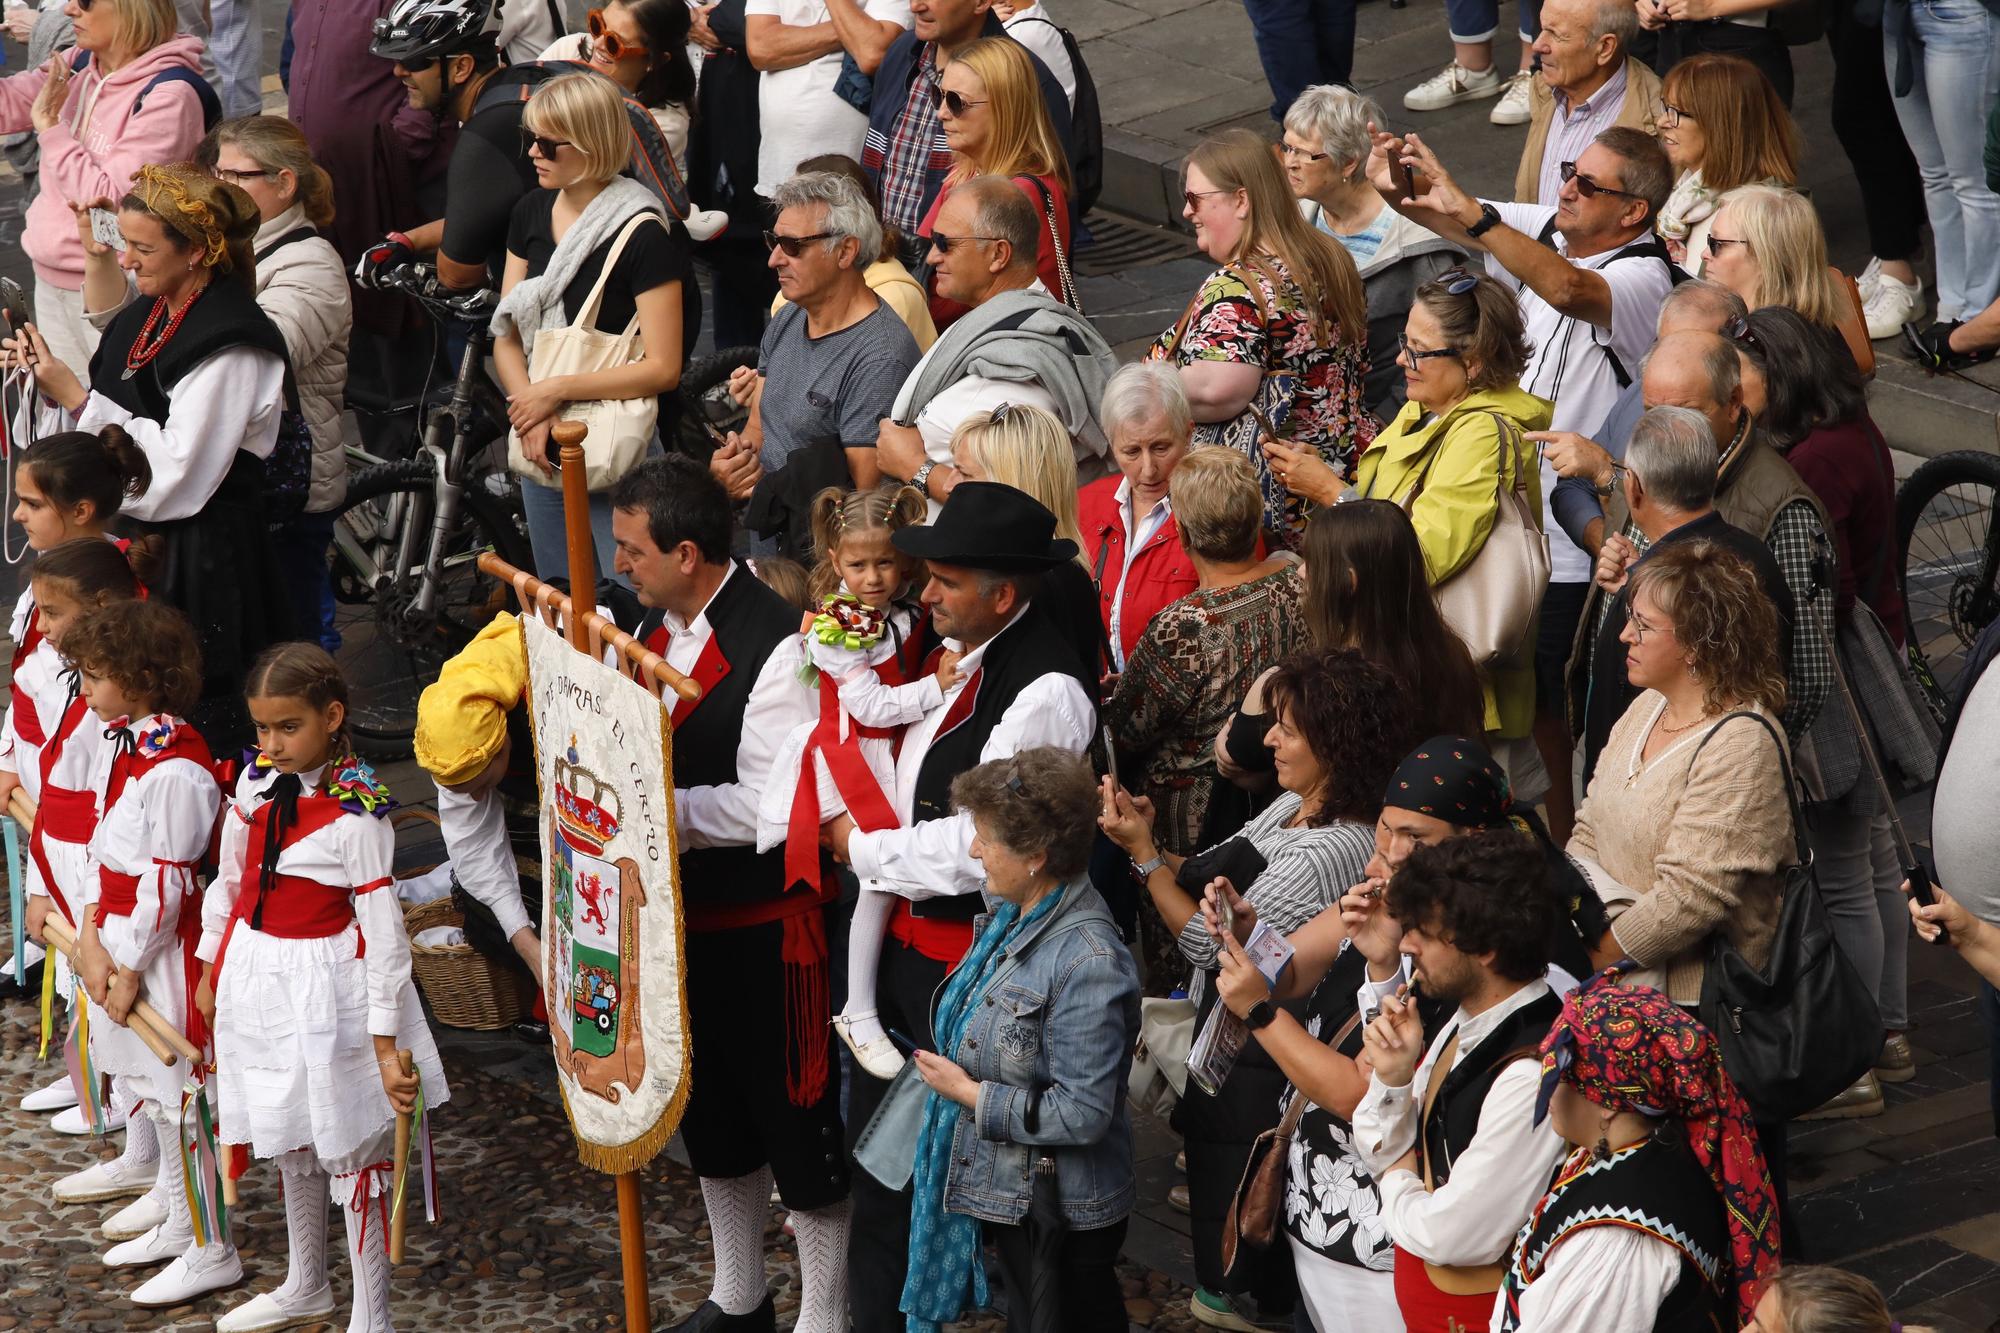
(160, 1036)
(399, 1223)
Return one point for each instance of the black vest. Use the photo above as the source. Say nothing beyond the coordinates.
(225, 315)
(1019, 655)
(1656, 1188)
(1454, 1117)
(748, 621)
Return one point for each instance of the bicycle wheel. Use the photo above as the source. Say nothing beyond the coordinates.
(705, 400)
(389, 651)
(1944, 529)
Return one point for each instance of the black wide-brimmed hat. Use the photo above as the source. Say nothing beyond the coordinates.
(984, 525)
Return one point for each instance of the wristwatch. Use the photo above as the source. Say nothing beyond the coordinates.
(1489, 218)
(922, 477)
(1261, 1015)
(1144, 869)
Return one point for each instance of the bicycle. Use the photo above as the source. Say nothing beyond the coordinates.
(407, 588)
(1950, 561)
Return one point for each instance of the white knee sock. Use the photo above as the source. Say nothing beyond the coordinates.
(142, 1138)
(737, 1212)
(864, 957)
(172, 1179)
(822, 1237)
(367, 1252)
(306, 1189)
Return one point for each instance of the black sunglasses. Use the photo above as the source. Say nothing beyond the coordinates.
(1715, 244)
(1456, 281)
(944, 242)
(1589, 188)
(793, 245)
(1737, 329)
(950, 101)
(1403, 344)
(548, 147)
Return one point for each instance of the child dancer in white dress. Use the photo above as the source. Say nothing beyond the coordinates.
(140, 667)
(308, 975)
(865, 644)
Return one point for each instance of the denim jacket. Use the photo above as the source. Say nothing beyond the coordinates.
(1050, 1042)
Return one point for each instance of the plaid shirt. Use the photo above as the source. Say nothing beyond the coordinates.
(914, 141)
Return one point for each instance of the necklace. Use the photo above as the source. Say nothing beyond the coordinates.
(140, 354)
(1661, 725)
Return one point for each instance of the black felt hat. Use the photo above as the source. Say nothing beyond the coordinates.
(984, 525)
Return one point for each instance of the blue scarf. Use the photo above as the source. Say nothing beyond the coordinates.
(944, 1247)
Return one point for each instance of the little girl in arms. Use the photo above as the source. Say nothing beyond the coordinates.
(308, 977)
(865, 646)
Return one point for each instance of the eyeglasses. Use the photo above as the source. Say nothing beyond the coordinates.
(1737, 329)
(1016, 786)
(1670, 116)
(542, 143)
(793, 245)
(1456, 281)
(613, 46)
(1715, 243)
(999, 413)
(1589, 188)
(950, 101)
(1290, 151)
(1193, 198)
(944, 242)
(1415, 356)
(236, 177)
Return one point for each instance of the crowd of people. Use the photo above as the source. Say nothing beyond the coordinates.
(1389, 710)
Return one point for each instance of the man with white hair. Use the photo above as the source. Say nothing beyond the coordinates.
(828, 367)
(1587, 83)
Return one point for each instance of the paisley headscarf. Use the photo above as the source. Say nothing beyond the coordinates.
(1633, 1049)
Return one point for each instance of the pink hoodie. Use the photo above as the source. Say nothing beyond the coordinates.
(93, 149)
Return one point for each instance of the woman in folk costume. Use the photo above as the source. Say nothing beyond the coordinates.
(308, 977)
(140, 667)
(866, 645)
(1664, 1218)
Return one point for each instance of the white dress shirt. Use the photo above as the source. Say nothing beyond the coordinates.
(725, 815)
(1474, 1216)
(1139, 529)
(933, 858)
(1603, 1279)
(482, 855)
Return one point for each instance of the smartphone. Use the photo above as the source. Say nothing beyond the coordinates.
(1406, 184)
(1111, 759)
(13, 305)
(104, 229)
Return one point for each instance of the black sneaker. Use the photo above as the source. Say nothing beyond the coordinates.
(1933, 351)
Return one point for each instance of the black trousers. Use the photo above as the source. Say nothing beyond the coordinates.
(1762, 47)
(1089, 1298)
(878, 1246)
(1864, 120)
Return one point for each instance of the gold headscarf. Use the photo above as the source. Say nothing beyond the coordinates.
(208, 212)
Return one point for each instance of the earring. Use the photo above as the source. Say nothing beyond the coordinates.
(1602, 1152)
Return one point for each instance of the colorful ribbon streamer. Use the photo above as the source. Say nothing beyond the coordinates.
(201, 1160)
(49, 1005)
(17, 898)
(76, 1058)
(420, 1140)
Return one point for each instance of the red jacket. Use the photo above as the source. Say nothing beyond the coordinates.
(1161, 574)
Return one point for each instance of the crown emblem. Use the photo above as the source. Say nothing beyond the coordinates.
(586, 808)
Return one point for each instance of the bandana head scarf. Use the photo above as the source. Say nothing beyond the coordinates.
(1633, 1049)
(1453, 779)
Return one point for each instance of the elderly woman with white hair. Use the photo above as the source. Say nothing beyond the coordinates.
(1325, 149)
(1130, 540)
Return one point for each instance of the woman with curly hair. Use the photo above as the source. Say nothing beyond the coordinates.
(1687, 812)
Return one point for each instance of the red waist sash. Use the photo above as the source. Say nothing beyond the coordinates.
(118, 895)
(71, 816)
(1428, 1309)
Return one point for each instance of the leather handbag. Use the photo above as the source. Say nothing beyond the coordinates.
(1159, 1060)
(1803, 1027)
(621, 429)
(1259, 1200)
(1493, 601)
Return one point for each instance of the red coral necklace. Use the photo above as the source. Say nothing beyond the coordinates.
(140, 353)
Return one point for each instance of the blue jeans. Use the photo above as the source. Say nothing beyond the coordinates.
(1478, 20)
(237, 42)
(1301, 43)
(300, 548)
(1955, 77)
(1989, 1005)
(548, 537)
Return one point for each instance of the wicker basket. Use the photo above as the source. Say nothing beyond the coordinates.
(466, 989)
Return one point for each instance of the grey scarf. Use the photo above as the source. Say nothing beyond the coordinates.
(537, 302)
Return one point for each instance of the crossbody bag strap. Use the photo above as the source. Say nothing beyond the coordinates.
(1063, 275)
(586, 317)
(1799, 847)
(1440, 1071)
(1289, 1124)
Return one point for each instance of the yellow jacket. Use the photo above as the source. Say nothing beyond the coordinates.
(462, 715)
(1454, 513)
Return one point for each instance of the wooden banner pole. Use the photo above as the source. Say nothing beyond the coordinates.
(568, 435)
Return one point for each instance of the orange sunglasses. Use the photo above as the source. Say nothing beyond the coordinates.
(614, 46)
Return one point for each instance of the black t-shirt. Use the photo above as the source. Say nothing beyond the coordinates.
(655, 255)
(489, 174)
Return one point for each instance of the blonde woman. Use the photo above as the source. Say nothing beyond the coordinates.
(557, 244)
(991, 111)
(1279, 332)
(1766, 245)
(94, 135)
(1028, 449)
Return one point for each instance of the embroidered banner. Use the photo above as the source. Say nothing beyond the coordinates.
(611, 907)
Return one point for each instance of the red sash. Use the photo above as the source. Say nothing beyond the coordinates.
(63, 813)
(27, 722)
(1426, 1309)
(298, 908)
(852, 778)
(118, 895)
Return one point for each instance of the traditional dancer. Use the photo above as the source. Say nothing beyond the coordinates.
(308, 982)
(140, 667)
(864, 644)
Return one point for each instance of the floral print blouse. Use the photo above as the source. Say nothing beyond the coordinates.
(1332, 1205)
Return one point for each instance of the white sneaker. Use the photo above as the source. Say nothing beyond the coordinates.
(58, 1096)
(114, 1179)
(1452, 85)
(264, 1313)
(1512, 108)
(1869, 277)
(135, 1219)
(196, 1273)
(155, 1247)
(71, 1121)
(1891, 305)
(878, 1055)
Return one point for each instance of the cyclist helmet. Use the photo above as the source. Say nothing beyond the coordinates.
(420, 31)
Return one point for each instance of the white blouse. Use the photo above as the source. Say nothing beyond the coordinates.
(158, 830)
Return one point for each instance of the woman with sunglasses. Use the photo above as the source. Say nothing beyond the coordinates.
(559, 243)
(302, 285)
(83, 105)
(1462, 354)
(641, 45)
(1723, 126)
(1766, 244)
(990, 107)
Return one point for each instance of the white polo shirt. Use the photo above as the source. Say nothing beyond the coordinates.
(1572, 361)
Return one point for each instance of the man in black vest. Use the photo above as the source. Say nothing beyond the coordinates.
(766, 1098)
(1457, 1153)
(1019, 685)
